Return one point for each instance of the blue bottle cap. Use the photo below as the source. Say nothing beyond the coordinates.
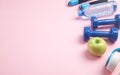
(73, 2)
(80, 13)
(83, 5)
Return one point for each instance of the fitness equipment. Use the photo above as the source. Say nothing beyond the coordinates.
(95, 23)
(83, 5)
(112, 34)
(113, 60)
(75, 2)
(98, 10)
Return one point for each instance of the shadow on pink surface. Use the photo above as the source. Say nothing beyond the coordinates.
(81, 40)
(81, 19)
(89, 56)
(106, 72)
(106, 27)
(108, 41)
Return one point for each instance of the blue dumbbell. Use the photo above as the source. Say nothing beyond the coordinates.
(95, 23)
(112, 35)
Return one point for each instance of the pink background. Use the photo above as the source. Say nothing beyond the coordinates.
(45, 37)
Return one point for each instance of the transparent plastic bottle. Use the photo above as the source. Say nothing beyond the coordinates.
(83, 5)
(98, 10)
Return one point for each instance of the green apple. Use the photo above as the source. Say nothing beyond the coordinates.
(97, 46)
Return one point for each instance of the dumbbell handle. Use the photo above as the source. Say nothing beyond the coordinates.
(99, 34)
(106, 21)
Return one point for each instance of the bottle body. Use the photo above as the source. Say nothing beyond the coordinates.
(99, 10)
